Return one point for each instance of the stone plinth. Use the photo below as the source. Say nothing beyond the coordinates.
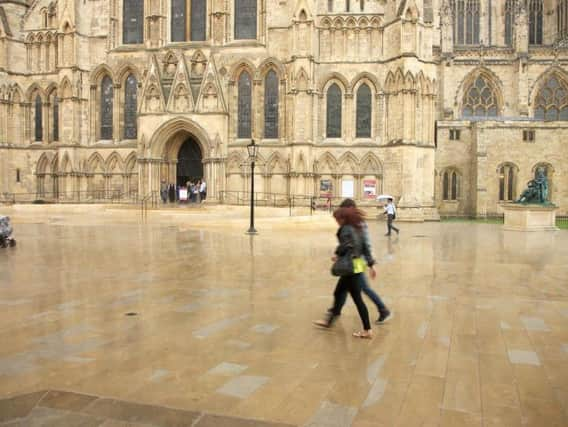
(519, 217)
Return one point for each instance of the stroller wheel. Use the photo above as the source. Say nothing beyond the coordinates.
(3, 243)
(12, 243)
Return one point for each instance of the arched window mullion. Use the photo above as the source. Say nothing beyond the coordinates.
(445, 186)
(480, 99)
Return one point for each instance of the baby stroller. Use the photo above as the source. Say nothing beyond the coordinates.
(6, 238)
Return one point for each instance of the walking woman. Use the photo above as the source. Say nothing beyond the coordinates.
(350, 236)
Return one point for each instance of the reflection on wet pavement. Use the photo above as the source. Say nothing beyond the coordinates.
(479, 333)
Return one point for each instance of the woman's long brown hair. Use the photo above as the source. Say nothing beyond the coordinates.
(351, 216)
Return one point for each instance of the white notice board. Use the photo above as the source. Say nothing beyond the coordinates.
(347, 188)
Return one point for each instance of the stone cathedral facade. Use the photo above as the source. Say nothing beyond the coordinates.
(448, 105)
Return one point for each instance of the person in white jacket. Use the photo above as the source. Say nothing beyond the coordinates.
(390, 212)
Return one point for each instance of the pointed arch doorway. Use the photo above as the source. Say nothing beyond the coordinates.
(189, 162)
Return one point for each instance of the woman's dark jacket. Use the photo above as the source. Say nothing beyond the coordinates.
(355, 241)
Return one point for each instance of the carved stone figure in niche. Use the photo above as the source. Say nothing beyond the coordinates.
(210, 98)
(153, 99)
(181, 98)
(170, 65)
(198, 63)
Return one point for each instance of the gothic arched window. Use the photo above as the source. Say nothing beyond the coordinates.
(38, 119)
(179, 12)
(133, 22)
(507, 182)
(55, 118)
(480, 100)
(364, 111)
(466, 22)
(106, 108)
(130, 107)
(552, 101)
(333, 128)
(244, 106)
(510, 6)
(535, 21)
(198, 17)
(271, 105)
(245, 19)
(450, 185)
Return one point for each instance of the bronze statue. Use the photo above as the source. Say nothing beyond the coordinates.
(537, 189)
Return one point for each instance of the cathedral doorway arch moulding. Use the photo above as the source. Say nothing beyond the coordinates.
(175, 138)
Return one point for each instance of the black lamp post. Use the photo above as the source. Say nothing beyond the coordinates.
(252, 149)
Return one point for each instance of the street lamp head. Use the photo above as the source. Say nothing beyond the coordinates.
(252, 150)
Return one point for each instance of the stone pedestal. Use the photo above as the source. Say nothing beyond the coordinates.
(519, 217)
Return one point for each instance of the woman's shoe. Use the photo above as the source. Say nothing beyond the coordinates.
(322, 323)
(368, 335)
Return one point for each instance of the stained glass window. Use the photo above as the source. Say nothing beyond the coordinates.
(55, 118)
(333, 112)
(364, 109)
(450, 185)
(133, 21)
(38, 119)
(509, 21)
(552, 101)
(106, 108)
(178, 24)
(466, 22)
(480, 100)
(130, 107)
(535, 22)
(245, 19)
(198, 17)
(271, 105)
(244, 107)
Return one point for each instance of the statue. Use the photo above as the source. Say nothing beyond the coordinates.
(537, 189)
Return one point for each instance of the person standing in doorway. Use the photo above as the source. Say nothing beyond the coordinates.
(390, 212)
(164, 191)
(203, 191)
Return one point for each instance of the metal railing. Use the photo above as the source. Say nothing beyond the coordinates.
(91, 196)
(151, 199)
(291, 201)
